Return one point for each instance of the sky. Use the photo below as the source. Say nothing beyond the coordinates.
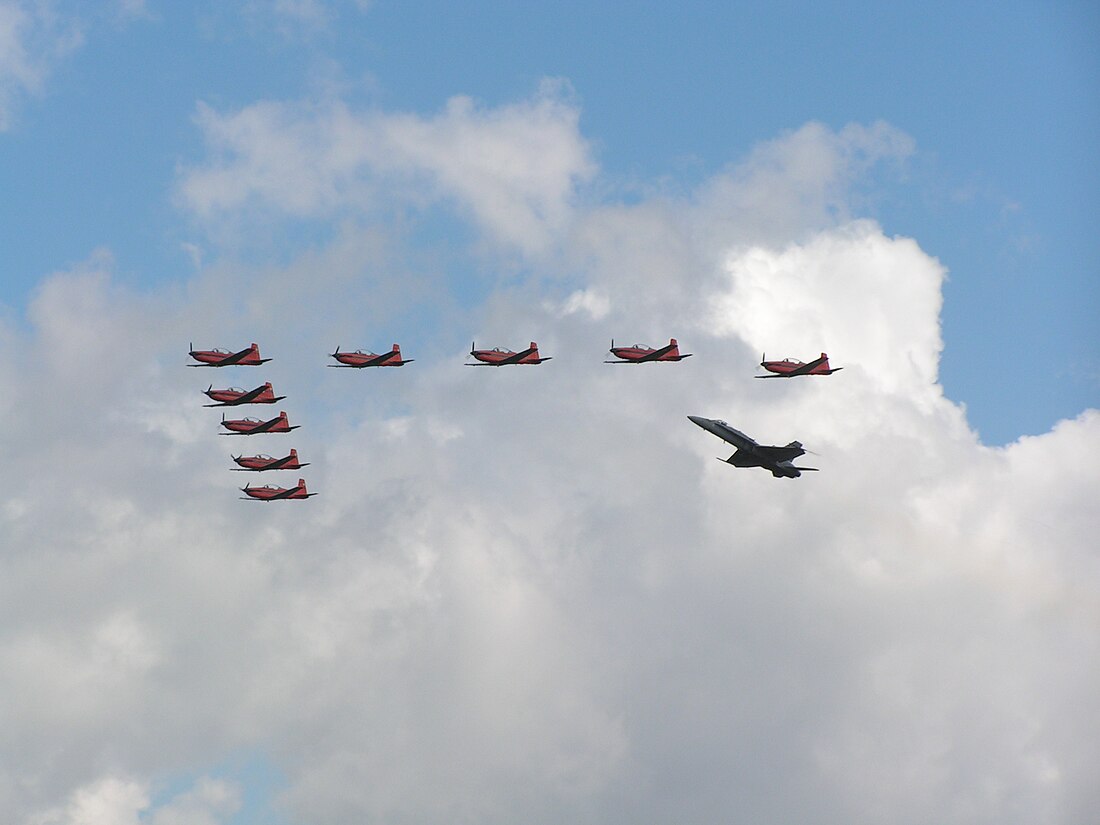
(531, 593)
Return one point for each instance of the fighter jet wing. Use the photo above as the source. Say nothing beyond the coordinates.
(788, 453)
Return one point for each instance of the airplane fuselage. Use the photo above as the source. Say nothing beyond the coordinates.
(791, 367)
(359, 359)
(223, 358)
(273, 493)
(503, 357)
(638, 354)
(251, 426)
(260, 463)
(234, 396)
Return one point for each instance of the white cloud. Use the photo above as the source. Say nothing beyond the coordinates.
(112, 800)
(513, 168)
(532, 593)
(32, 39)
(108, 801)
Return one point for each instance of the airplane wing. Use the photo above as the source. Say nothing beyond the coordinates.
(265, 426)
(788, 453)
(284, 494)
(229, 360)
(657, 353)
(515, 357)
(280, 463)
(249, 396)
(805, 368)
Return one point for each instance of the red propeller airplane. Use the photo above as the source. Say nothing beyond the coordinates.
(498, 357)
(261, 462)
(638, 354)
(790, 367)
(254, 426)
(269, 492)
(360, 359)
(235, 396)
(223, 358)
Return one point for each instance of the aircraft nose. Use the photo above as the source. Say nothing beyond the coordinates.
(696, 419)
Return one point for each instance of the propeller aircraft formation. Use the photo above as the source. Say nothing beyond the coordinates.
(263, 394)
(748, 453)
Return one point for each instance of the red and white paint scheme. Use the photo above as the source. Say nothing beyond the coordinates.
(498, 357)
(790, 367)
(360, 359)
(254, 426)
(260, 463)
(235, 396)
(638, 354)
(269, 492)
(224, 358)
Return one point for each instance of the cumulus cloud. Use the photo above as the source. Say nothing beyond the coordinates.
(532, 593)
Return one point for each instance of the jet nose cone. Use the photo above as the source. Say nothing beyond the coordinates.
(696, 419)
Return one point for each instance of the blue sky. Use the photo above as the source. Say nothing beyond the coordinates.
(532, 594)
(999, 100)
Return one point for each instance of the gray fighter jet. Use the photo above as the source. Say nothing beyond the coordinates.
(751, 454)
